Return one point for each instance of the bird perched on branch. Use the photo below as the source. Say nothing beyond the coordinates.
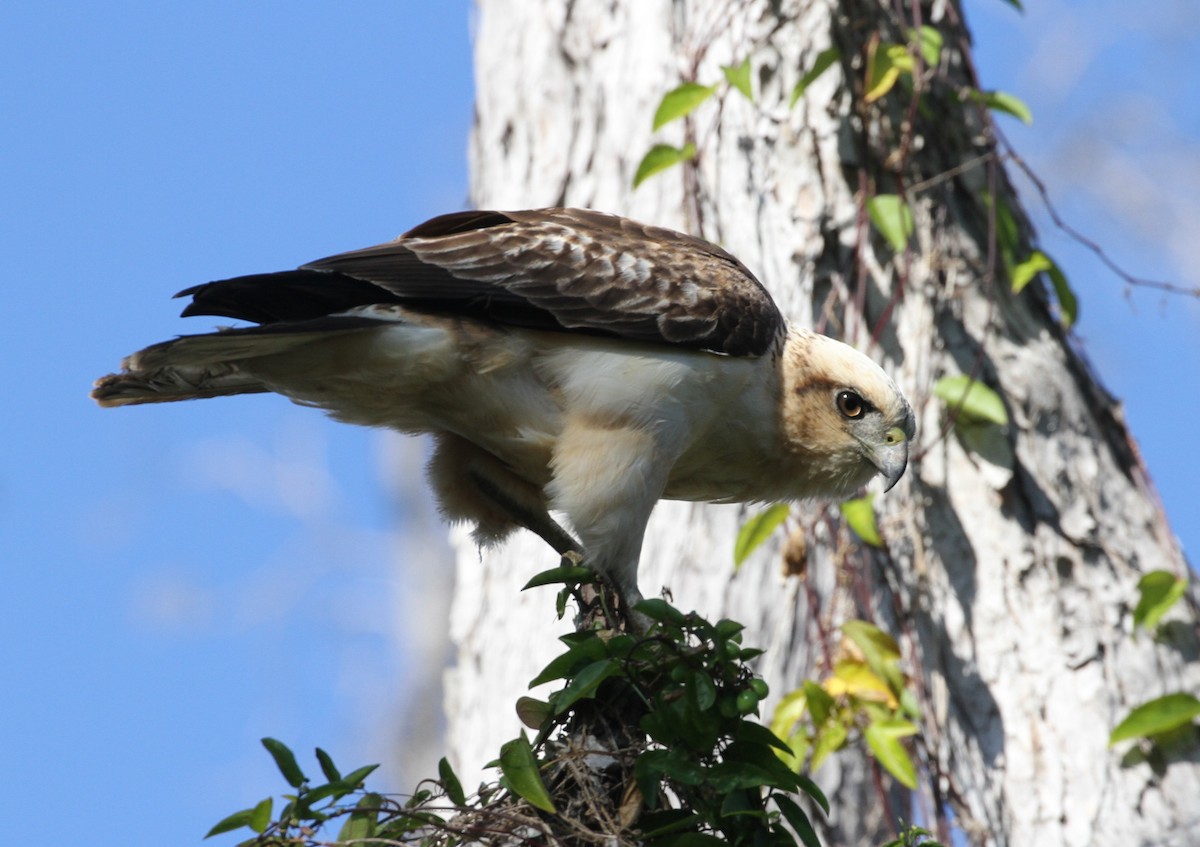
(564, 360)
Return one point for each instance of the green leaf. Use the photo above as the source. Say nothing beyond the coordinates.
(648, 778)
(581, 638)
(790, 710)
(929, 41)
(883, 737)
(655, 824)
(1024, 273)
(285, 760)
(674, 764)
(235, 821)
(909, 704)
(735, 776)
(246, 817)
(877, 646)
(913, 836)
(1038, 262)
(888, 61)
(759, 734)
(1002, 101)
(972, 398)
(823, 62)
(799, 746)
(565, 664)
(900, 57)
(327, 766)
(355, 777)
(798, 819)
(757, 530)
(703, 690)
(750, 764)
(520, 770)
(1157, 593)
(681, 101)
(896, 727)
(584, 684)
(659, 158)
(859, 514)
(879, 649)
(820, 703)
(767, 768)
(738, 804)
(330, 789)
(560, 602)
(1068, 305)
(260, 816)
(739, 77)
(1162, 714)
(622, 646)
(363, 820)
(658, 609)
(892, 217)
(828, 739)
(859, 680)
(533, 712)
(571, 575)
(450, 782)
(727, 628)
(814, 791)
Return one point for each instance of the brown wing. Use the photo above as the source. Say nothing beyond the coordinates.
(554, 269)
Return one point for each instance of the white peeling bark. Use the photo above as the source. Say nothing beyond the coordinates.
(1009, 580)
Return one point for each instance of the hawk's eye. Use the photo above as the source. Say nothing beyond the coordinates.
(851, 405)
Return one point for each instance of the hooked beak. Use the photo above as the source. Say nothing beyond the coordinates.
(891, 457)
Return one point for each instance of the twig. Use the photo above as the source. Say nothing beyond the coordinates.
(1092, 246)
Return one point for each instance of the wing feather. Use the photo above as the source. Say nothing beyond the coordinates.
(553, 269)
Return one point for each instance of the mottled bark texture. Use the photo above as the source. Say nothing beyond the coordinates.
(1010, 567)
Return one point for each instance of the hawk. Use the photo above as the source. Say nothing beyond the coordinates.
(564, 360)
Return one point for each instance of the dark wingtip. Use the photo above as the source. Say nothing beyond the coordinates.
(283, 296)
(188, 292)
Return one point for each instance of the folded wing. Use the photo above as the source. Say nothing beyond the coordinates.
(549, 269)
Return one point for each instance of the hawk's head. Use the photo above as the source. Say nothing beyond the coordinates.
(843, 416)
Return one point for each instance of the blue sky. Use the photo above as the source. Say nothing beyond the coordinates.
(182, 580)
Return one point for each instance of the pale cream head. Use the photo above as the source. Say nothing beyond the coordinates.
(842, 415)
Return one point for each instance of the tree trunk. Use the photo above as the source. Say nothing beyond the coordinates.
(1010, 567)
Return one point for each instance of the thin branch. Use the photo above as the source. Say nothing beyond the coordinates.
(1081, 239)
(950, 173)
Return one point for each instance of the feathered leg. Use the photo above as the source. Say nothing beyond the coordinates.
(473, 485)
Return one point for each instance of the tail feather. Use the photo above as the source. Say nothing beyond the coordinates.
(192, 367)
(170, 384)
